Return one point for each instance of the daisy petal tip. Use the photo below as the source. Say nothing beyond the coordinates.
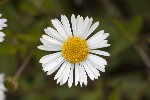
(55, 78)
(43, 36)
(108, 54)
(102, 31)
(40, 47)
(53, 20)
(97, 22)
(45, 30)
(5, 20)
(69, 86)
(57, 82)
(44, 69)
(47, 73)
(92, 79)
(73, 16)
(76, 84)
(108, 34)
(64, 81)
(107, 45)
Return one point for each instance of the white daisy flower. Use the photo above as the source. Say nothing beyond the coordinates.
(73, 50)
(2, 87)
(2, 24)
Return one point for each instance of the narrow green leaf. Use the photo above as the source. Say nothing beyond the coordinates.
(134, 26)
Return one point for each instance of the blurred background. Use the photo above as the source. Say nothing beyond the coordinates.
(127, 75)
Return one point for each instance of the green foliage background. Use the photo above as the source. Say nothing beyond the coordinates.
(127, 75)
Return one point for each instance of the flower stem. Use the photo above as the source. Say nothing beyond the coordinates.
(24, 64)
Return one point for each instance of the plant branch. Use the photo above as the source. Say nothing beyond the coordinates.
(143, 55)
(24, 64)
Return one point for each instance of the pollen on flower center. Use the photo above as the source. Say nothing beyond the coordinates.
(74, 49)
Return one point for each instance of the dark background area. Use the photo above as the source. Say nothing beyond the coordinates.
(127, 75)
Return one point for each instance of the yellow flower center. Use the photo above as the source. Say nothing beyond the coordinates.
(74, 49)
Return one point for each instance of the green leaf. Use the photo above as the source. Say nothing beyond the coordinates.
(115, 94)
(91, 95)
(134, 26)
(122, 29)
(131, 29)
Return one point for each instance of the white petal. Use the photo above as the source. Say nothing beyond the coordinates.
(93, 69)
(93, 27)
(53, 33)
(70, 81)
(66, 24)
(1, 77)
(50, 57)
(80, 78)
(3, 20)
(2, 23)
(99, 67)
(95, 76)
(2, 95)
(80, 75)
(77, 21)
(79, 25)
(49, 48)
(47, 43)
(94, 37)
(54, 69)
(84, 75)
(1, 39)
(51, 40)
(61, 82)
(2, 87)
(88, 70)
(2, 34)
(66, 75)
(104, 36)
(96, 59)
(74, 26)
(85, 26)
(97, 44)
(76, 74)
(99, 39)
(61, 76)
(99, 52)
(57, 24)
(60, 71)
(50, 65)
